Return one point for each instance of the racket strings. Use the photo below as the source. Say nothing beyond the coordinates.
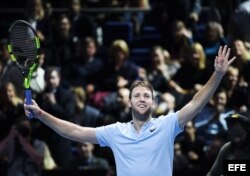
(23, 42)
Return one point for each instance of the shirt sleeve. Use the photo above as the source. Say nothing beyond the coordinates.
(104, 135)
(171, 122)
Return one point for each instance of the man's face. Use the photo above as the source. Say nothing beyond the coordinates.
(158, 57)
(87, 149)
(238, 47)
(53, 80)
(141, 102)
(91, 49)
(220, 101)
(65, 25)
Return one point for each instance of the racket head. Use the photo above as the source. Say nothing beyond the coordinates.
(24, 45)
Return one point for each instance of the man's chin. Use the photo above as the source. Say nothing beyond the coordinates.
(141, 115)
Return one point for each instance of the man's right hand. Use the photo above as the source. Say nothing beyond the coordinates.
(34, 108)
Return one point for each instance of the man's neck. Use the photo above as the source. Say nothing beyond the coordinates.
(139, 123)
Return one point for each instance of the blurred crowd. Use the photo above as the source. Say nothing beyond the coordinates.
(91, 52)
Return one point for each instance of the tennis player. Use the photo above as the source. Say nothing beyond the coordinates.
(143, 146)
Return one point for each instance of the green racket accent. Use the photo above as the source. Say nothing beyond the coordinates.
(37, 42)
(28, 77)
(13, 58)
(10, 48)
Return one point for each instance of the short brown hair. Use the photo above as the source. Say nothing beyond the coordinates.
(140, 83)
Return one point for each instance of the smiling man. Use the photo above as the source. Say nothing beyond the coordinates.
(144, 146)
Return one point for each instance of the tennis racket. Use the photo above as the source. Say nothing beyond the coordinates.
(24, 49)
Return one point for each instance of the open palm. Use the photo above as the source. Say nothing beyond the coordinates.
(222, 62)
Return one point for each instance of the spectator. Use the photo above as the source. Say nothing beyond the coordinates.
(213, 115)
(166, 104)
(212, 39)
(120, 72)
(192, 147)
(84, 114)
(236, 89)
(182, 87)
(58, 101)
(238, 147)
(195, 64)
(10, 106)
(159, 73)
(37, 83)
(116, 105)
(83, 25)
(64, 43)
(86, 159)
(180, 40)
(241, 51)
(87, 70)
(9, 69)
(35, 15)
(24, 154)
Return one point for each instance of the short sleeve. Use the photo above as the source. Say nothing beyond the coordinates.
(104, 134)
(171, 122)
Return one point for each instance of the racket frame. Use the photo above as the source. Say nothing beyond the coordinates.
(26, 72)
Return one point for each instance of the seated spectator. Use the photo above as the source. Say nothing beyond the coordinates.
(25, 155)
(241, 51)
(180, 40)
(159, 73)
(213, 38)
(236, 88)
(116, 105)
(84, 114)
(192, 147)
(37, 83)
(86, 159)
(64, 43)
(60, 102)
(87, 70)
(166, 104)
(120, 71)
(195, 65)
(238, 147)
(83, 25)
(210, 122)
(35, 15)
(10, 72)
(10, 107)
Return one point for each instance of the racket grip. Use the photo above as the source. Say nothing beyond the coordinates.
(28, 101)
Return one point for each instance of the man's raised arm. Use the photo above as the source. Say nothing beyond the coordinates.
(201, 98)
(64, 128)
